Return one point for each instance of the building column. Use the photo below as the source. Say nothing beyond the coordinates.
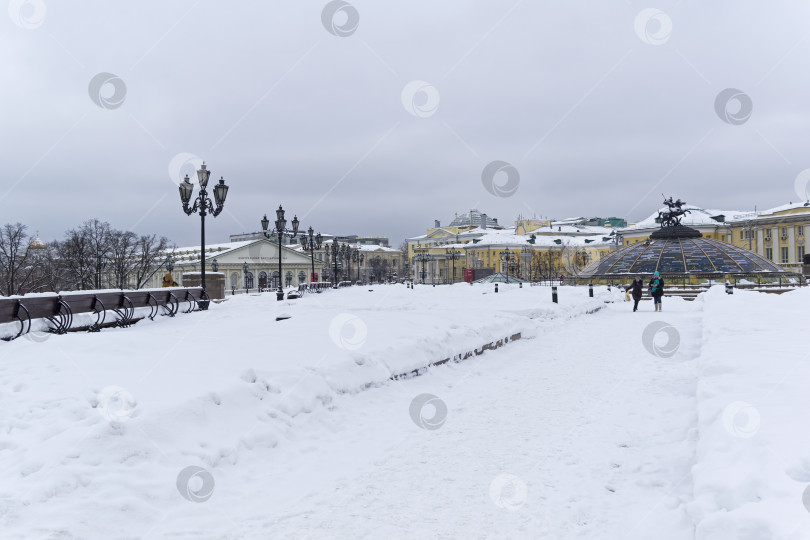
(792, 244)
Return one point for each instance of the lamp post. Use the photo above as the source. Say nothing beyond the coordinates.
(203, 205)
(344, 260)
(507, 257)
(170, 267)
(422, 257)
(356, 259)
(101, 262)
(335, 252)
(453, 254)
(311, 243)
(245, 271)
(749, 229)
(281, 228)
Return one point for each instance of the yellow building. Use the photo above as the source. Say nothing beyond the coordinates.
(532, 249)
(778, 234)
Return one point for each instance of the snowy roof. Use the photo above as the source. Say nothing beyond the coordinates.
(769, 211)
(696, 217)
(500, 238)
(567, 228)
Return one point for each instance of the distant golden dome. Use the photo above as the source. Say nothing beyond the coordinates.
(37, 243)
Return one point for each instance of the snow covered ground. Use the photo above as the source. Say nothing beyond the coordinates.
(597, 423)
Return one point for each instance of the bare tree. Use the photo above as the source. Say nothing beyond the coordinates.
(16, 261)
(98, 234)
(121, 257)
(76, 255)
(53, 275)
(151, 254)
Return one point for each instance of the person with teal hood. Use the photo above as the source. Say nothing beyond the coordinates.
(657, 290)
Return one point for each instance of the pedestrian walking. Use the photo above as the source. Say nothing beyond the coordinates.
(636, 289)
(657, 290)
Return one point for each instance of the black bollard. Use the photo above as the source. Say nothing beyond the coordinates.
(520, 285)
(496, 287)
(729, 288)
(554, 294)
(590, 290)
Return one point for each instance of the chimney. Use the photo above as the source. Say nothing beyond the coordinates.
(483, 221)
(436, 223)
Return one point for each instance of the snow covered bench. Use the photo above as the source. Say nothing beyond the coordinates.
(93, 307)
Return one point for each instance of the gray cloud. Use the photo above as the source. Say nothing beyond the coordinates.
(592, 117)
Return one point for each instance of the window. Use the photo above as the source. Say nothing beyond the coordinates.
(800, 254)
(784, 233)
(723, 237)
(742, 234)
(767, 234)
(784, 252)
(769, 253)
(234, 281)
(800, 230)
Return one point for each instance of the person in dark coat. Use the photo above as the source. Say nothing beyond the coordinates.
(657, 290)
(636, 290)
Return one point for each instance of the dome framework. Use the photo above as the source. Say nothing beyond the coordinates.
(683, 255)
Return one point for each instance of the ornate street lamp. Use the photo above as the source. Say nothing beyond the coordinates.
(245, 271)
(311, 243)
(280, 230)
(335, 252)
(453, 254)
(203, 205)
(507, 257)
(422, 257)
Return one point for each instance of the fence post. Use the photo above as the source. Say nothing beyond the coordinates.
(496, 287)
(590, 289)
(554, 294)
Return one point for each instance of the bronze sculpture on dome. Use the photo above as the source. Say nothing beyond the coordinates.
(672, 217)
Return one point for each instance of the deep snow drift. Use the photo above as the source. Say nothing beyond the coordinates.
(596, 423)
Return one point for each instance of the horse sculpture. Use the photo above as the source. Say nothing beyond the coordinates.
(672, 217)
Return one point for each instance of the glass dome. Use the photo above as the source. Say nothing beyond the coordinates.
(683, 257)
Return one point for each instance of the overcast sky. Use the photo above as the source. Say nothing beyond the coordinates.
(594, 108)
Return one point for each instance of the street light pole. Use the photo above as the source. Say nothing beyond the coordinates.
(245, 271)
(454, 254)
(281, 228)
(507, 257)
(311, 243)
(203, 205)
(334, 262)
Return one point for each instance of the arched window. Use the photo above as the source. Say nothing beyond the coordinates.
(288, 278)
(263, 280)
(234, 281)
(249, 280)
(275, 279)
(302, 277)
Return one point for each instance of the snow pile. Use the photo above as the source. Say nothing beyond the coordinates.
(96, 423)
(753, 456)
